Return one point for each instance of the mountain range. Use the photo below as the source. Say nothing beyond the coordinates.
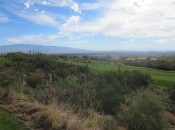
(28, 48)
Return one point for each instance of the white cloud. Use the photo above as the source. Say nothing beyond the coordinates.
(97, 5)
(75, 8)
(61, 3)
(36, 15)
(133, 18)
(30, 39)
(161, 41)
(76, 42)
(45, 2)
(40, 18)
(3, 18)
(41, 38)
(43, 19)
(36, 10)
(71, 22)
(53, 37)
(58, 3)
(164, 41)
(43, 11)
(90, 6)
(36, 38)
(28, 4)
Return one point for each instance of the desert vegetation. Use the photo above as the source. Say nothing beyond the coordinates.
(56, 92)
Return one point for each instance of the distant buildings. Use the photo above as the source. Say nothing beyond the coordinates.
(153, 59)
(130, 59)
(141, 59)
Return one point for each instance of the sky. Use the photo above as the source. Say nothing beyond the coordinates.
(89, 24)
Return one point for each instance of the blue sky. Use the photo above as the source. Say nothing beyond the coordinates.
(89, 24)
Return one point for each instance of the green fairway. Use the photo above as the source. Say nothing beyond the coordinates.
(164, 78)
(9, 122)
(4, 59)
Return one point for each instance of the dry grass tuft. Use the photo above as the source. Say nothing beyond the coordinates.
(60, 117)
(170, 117)
(53, 116)
(8, 96)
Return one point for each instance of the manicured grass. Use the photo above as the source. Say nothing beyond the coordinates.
(9, 122)
(163, 78)
(4, 59)
(165, 83)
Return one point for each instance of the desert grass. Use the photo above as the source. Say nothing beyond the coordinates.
(54, 116)
(170, 117)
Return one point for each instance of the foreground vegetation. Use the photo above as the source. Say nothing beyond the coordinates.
(8, 121)
(58, 94)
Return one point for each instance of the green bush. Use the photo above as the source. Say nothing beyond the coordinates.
(5, 79)
(146, 112)
(112, 86)
(172, 94)
(33, 80)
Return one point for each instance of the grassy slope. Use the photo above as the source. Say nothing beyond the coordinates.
(9, 122)
(164, 78)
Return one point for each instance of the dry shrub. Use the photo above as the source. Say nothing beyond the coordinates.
(7, 96)
(170, 117)
(57, 117)
(97, 121)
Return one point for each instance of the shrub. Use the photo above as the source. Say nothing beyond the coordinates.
(5, 79)
(112, 86)
(33, 80)
(146, 112)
